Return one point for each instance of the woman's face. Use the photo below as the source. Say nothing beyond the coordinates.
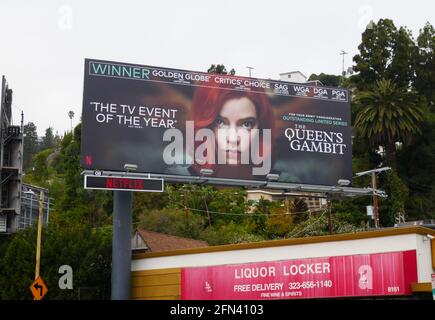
(233, 126)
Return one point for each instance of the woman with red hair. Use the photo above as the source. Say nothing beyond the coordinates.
(237, 118)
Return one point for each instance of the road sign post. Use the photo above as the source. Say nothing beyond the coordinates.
(38, 239)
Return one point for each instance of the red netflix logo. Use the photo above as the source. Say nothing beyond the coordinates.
(88, 160)
(124, 183)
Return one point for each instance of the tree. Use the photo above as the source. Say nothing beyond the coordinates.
(170, 221)
(86, 250)
(395, 203)
(417, 169)
(388, 114)
(42, 172)
(317, 225)
(279, 222)
(30, 146)
(425, 65)
(76, 203)
(57, 140)
(330, 80)
(385, 53)
(48, 141)
(220, 69)
(299, 209)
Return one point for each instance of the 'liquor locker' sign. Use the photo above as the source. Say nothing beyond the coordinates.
(344, 276)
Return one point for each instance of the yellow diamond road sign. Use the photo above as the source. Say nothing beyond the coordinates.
(38, 288)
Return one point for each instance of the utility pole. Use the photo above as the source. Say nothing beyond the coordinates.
(373, 173)
(375, 200)
(342, 53)
(250, 68)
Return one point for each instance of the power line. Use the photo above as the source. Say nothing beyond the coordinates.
(306, 227)
(251, 214)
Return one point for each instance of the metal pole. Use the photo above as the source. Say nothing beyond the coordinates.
(342, 54)
(342, 72)
(121, 245)
(38, 239)
(375, 200)
(250, 68)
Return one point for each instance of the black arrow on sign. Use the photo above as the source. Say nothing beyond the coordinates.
(37, 286)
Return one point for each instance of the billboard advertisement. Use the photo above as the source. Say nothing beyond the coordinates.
(380, 274)
(177, 122)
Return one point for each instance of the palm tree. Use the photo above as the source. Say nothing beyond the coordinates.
(388, 114)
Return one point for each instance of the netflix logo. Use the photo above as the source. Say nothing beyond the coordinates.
(123, 183)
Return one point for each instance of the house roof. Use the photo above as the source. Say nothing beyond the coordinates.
(158, 242)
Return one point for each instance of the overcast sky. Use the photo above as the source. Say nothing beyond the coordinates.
(44, 43)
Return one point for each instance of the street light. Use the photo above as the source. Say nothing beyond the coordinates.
(373, 173)
(38, 239)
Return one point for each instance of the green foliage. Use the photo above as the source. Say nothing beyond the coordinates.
(404, 112)
(397, 195)
(180, 223)
(425, 65)
(30, 145)
(144, 201)
(231, 201)
(317, 225)
(299, 209)
(48, 141)
(42, 172)
(352, 211)
(220, 69)
(417, 170)
(86, 250)
(388, 114)
(279, 223)
(229, 233)
(329, 80)
(385, 52)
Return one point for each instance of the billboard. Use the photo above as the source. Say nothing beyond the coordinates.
(189, 124)
(379, 274)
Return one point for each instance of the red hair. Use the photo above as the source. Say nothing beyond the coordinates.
(207, 104)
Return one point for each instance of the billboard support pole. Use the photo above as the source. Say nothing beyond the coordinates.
(121, 245)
